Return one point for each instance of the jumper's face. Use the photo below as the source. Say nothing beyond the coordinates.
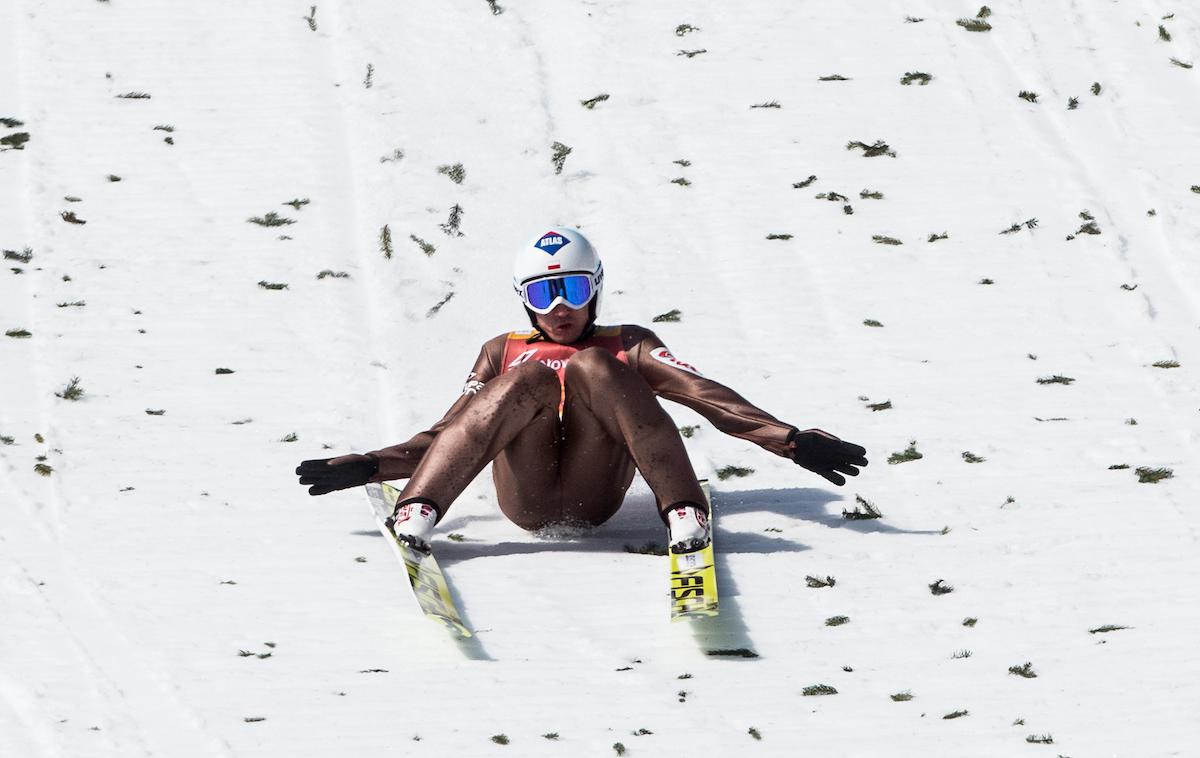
(563, 324)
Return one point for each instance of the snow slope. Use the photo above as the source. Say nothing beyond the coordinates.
(161, 546)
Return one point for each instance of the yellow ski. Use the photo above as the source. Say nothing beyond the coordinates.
(426, 578)
(694, 576)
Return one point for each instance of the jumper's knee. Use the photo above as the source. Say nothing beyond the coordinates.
(592, 363)
(534, 382)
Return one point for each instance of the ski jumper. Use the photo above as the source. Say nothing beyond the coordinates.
(564, 426)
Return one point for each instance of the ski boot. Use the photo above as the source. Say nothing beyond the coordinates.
(412, 522)
(688, 526)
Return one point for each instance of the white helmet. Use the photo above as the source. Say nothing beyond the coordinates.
(565, 268)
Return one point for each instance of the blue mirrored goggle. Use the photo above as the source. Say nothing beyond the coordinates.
(542, 295)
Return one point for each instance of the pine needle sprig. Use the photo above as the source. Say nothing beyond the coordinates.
(1147, 475)
(919, 77)
(863, 510)
(877, 148)
(559, 156)
(73, 390)
(592, 102)
(939, 587)
(270, 218)
(426, 248)
(451, 227)
(974, 24)
(909, 454)
(455, 173)
(385, 241)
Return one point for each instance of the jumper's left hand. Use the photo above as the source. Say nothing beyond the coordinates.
(823, 454)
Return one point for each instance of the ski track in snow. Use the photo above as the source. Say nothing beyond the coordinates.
(169, 590)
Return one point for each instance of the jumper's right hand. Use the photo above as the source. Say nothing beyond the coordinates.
(824, 454)
(329, 474)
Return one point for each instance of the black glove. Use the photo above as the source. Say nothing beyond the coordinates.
(824, 454)
(329, 474)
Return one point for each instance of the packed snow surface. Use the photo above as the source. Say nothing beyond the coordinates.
(166, 589)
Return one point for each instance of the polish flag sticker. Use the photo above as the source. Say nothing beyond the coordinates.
(663, 355)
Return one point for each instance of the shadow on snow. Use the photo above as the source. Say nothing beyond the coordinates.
(638, 523)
